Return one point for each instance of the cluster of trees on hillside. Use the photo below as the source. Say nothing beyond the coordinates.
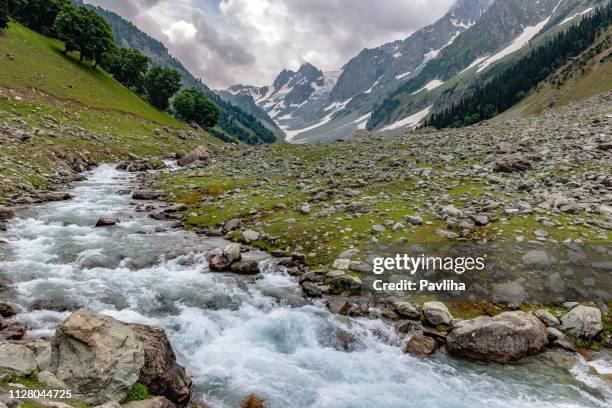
(84, 31)
(514, 82)
(4, 16)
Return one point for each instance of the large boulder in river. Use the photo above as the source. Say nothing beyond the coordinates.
(199, 155)
(161, 373)
(582, 321)
(507, 337)
(96, 355)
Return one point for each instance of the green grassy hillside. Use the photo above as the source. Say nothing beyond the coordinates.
(71, 109)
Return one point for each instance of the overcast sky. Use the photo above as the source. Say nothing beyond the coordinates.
(250, 41)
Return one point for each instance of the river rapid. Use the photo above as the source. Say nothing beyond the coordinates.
(235, 340)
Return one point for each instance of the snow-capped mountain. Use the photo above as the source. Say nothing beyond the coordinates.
(397, 85)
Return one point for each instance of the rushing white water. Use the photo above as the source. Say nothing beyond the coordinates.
(233, 339)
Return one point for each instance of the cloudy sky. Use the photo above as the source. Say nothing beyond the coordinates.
(250, 41)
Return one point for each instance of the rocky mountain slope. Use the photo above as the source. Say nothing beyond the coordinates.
(58, 117)
(237, 123)
(394, 87)
(474, 56)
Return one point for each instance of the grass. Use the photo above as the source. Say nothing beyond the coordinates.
(30, 60)
(79, 109)
(139, 392)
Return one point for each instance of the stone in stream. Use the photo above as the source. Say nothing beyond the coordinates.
(218, 260)
(105, 222)
(245, 267)
(252, 401)
(421, 346)
(53, 196)
(558, 339)
(161, 373)
(6, 213)
(582, 321)
(506, 337)
(97, 356)
(311, 289)
(436, 313)
(6, 310)
(232, 252)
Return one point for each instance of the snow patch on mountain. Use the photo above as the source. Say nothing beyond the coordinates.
(410, 121)
(430, 86)
(518, 43)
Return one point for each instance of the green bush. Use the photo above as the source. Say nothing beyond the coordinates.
(139, 392)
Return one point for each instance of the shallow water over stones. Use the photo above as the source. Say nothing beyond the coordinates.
(235, 340)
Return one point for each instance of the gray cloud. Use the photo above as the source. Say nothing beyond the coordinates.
(250, 41)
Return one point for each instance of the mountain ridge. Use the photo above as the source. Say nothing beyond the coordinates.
(234, 121)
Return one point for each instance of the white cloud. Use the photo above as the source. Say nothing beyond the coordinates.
(250, 41)
(180, 31)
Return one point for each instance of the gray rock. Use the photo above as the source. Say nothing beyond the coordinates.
(17, 358)
(582, 321)
(311, 289)
(342, 264)
(246, 267)
(538, 258)
(446, 234)
(406, 310)
(217, 260)
(105, 222)
(250, 235)
(346, 283)
(199, 155)
(547, 318)
(512, 294)
(349, 254)
(146, 195)
(232, 252)
(436, 313)
(507, 337)
(51, 381)
(362, 267)
(414, 219)
(557, 338)
(512, 164)
(96, 355)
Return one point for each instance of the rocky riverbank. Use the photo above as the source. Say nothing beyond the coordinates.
(100, 360)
